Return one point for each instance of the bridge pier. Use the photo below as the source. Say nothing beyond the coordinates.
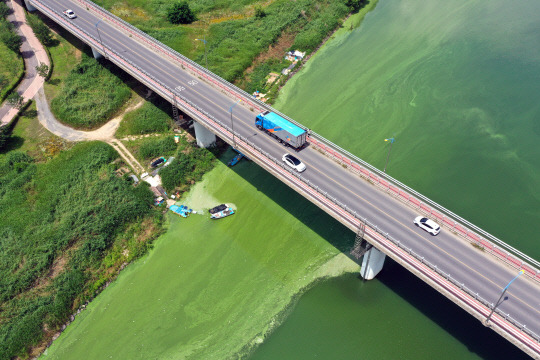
(29, 6)
(97, 54)
(372, 264)
(205, 137)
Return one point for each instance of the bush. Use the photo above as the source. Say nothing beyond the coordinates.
(152, 148)
(259, 12)
(11, 39)
(4, 10)
(74, 201)
(176, 173)
(91, 94)
(42, 31)
(356, 5)
(152, 117)
(180, 13)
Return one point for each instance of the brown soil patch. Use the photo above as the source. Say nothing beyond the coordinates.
(275, 51)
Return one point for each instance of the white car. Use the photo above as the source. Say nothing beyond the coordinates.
(293, 162)
(428, 225)
(70, 14)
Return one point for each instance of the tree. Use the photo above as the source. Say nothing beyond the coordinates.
(12, 40)
(259, 12)
(180, 13)
(355, 5)
(43, 33)
(42, 70)
(15, 100)
(4, 10)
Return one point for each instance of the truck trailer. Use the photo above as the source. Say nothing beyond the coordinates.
(285, 131)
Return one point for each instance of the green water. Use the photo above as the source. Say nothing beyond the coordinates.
(211, 289)
(457, 84)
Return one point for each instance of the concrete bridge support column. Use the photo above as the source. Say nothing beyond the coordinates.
(372, 264)
(97, 54)
(205, 137)
(29, 6)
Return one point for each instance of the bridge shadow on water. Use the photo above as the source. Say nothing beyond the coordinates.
(478, 339)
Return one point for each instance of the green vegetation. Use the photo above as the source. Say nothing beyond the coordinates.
(259, 76)
(187, 167)
(190, 162)
(91, 94)
(42, 31)
(65, 55)
(15, 100)
(30, 137)
(9, 37)
(180, 13)
(236, 31)
(153, 117)
(11, 66)
(59, 221)
(154, 147)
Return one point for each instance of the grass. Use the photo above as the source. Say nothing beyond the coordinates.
(153, 116)
(59, 221)
(11, 67)
(30, 137)
(91, 94)
(66, 54)
(235, 37)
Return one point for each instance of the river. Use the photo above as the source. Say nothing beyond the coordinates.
(456, 83)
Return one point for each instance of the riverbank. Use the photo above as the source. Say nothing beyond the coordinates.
(351, 22)
(214, 289)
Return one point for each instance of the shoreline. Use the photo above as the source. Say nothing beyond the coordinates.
(359, 16)
(324, 272)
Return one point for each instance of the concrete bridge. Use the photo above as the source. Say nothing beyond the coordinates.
(464, 263)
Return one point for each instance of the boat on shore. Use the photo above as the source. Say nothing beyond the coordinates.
(221, 211)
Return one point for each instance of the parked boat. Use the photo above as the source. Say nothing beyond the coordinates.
(236, 159)
(221, 211)
(181, 210)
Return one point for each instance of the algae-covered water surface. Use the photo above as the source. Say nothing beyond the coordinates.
(213, 288)
(457, 84)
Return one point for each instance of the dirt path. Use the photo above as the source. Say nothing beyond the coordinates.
(33, 53)
(104, 133)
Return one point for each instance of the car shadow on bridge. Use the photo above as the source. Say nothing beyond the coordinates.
(478, 339)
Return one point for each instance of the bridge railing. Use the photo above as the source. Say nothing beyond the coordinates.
(445, 217)
(278, 166)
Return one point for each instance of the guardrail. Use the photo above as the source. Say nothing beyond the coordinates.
(383, 239)
(445, 217)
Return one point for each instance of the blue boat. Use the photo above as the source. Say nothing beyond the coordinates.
(236, 159)
(181, 210)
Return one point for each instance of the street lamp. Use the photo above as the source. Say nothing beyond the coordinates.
(99, 35)
(390, 149)
(500, 298)
(232, 124)
(204, 42)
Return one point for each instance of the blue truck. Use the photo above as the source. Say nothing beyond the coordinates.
(283, 130)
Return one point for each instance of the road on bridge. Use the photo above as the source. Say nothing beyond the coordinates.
(452, 254)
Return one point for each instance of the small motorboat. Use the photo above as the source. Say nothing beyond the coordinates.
(236, 159)
(221, 211)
